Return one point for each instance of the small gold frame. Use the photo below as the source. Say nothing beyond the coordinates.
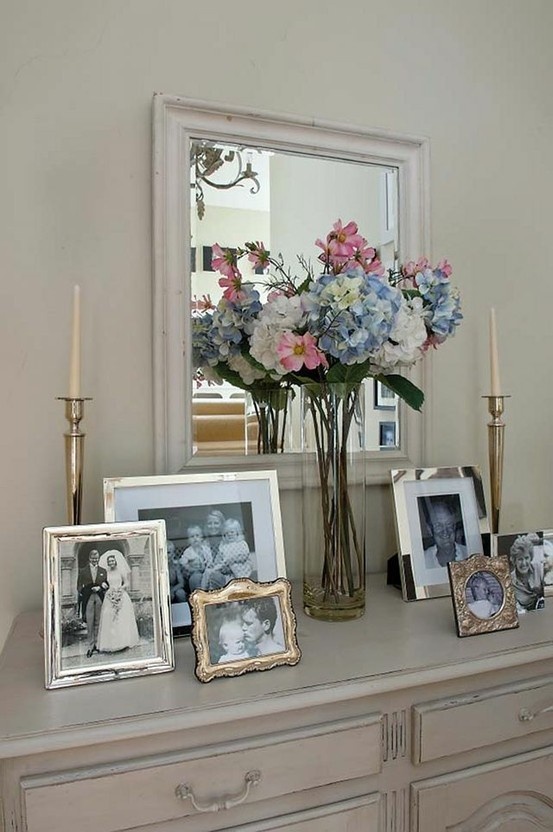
(496, 610)
(211, 610)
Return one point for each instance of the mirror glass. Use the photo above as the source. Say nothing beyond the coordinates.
(287, 200)
(230, 176)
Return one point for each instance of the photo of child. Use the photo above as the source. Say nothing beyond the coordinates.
(234, 556)
(231, 641)
(196, 558)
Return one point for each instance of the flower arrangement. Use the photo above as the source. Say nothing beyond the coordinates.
(351, 321)
(325, 333)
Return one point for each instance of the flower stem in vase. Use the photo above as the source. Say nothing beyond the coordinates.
(334, 501)
(267, 420)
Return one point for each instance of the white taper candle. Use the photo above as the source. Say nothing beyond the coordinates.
(494, 357)
(75, 361)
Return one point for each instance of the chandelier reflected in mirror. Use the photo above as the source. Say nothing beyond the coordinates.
(221, 168)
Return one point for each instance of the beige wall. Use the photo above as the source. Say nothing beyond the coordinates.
(76, 81)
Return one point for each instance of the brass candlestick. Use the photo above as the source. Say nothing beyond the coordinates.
(496, 430)
(74, 455)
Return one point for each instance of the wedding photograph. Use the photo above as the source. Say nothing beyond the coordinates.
(108, 600)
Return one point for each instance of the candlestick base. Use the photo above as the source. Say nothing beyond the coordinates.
(496, 431)
(74, 456)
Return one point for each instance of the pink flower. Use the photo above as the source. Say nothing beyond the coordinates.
(411, 268)
(444, 267)
(366, 257)
(204, 304)
(345, 247)
(259, 256)
(343, 240)
(224, 261)
(296, 350)
(232, 286)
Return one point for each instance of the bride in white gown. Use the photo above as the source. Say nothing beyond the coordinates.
(117, 628)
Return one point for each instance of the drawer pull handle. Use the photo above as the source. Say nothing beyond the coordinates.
(525, 715)
(185, 792)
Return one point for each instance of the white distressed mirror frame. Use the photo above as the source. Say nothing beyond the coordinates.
(175, 122)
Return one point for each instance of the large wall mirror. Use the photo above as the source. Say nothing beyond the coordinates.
(228, 176)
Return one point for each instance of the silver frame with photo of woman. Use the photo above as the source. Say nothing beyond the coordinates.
(417, 492)
(247, 499)
(500, 612)
(261, 641)
(81, 641)
(530, 588)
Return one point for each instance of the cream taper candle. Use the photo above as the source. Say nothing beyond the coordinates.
(494, 357)
(75, 361)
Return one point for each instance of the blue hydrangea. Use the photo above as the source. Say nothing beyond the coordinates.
(351, 314)
(232, 321)
(442, 305)
(203, 349)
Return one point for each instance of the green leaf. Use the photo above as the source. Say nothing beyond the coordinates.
(223, 370)
(404, 388)
(348, 373)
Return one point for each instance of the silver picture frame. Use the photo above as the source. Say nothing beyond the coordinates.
(419, 494)
(204, 502)
(529, 556)
(106, 603)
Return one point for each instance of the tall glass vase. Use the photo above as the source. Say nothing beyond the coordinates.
(333, 424)
(268, 421)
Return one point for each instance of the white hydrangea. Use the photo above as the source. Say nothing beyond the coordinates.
(211, 375)
(406, 338)
(279, 314)
(247, 372)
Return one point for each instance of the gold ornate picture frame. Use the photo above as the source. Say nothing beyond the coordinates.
(483, 595)
(244, 626)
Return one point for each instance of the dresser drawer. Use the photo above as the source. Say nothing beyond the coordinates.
(457, 724)
(146, 791)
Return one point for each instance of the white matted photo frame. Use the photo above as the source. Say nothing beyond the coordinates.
(106, 603)
(384, 398)
(530, 568)
(220, 526)
(440, 517)
(387, 435)
(244, 626)
(482, 595)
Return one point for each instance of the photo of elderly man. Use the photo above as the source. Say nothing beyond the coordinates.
(442, 530)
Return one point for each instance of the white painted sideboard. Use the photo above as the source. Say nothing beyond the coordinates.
(387, 724)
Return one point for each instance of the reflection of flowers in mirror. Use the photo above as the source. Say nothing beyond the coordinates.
(351, 321)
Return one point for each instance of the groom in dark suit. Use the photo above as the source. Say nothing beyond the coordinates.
(91, 585)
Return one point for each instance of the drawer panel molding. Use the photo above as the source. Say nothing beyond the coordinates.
(452, 726)
(291, 761)
(394, 735)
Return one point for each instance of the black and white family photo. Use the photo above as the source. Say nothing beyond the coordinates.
(244, 629)
(207, 546)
